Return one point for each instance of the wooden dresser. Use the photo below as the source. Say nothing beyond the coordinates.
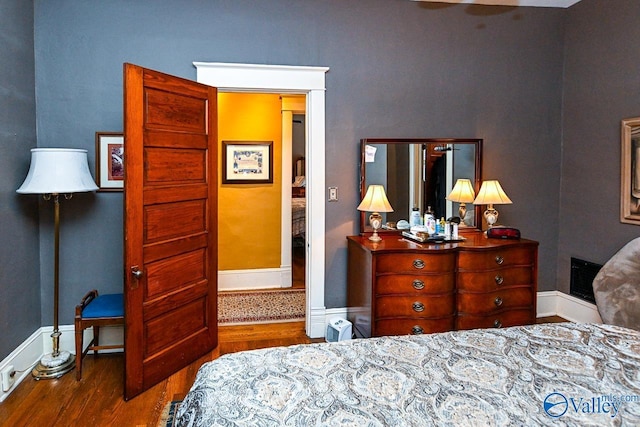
(398, 287)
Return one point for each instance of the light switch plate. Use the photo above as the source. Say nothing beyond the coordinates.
(333, 194)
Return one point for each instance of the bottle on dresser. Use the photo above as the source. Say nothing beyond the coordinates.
(415, 218)
(430, 221)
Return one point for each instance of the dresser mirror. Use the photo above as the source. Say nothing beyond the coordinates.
(420, 173)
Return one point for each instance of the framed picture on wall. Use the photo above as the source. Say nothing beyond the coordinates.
(247, 162)
(110, 161)
(630, 172)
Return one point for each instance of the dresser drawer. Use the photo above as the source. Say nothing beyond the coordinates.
(404, 283)
(487, 260)
(494, 280)
(497, 320)
(415, 306)
(413, 326)
(418, 262)
(494, 301)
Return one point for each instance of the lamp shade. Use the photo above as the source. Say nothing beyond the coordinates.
(375, 200)
(462, 192)
(491, 192)
(58, 171)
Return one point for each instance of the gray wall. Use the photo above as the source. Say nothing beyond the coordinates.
(601, 87)
(19, 244)
(515, 77)
(398, 69)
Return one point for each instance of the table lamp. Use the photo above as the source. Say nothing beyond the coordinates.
(491, 193)
(56, 171)
(462, 193)
(375, 201)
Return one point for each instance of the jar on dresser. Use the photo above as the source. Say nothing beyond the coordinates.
(398, 287)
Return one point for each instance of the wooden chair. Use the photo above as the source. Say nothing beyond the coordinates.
(93, 312)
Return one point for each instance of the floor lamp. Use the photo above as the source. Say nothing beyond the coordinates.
(54, 172)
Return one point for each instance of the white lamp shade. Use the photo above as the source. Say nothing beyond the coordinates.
(375, 200)
(462, 192)
(491, 193)
(58, 171)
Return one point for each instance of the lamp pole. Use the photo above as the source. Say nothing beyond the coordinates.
(57, 363)
(56, 274)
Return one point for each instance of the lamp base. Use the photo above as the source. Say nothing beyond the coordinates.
(375, 219)
(491, 216)
(375, 237)
(53, 367)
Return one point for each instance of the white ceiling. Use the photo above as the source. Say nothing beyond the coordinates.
(532, 3)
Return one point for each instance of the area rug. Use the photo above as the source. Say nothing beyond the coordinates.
(168, 417)
(263, 306)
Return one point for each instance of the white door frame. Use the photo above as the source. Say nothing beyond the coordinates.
(289, 105)
(309, 81)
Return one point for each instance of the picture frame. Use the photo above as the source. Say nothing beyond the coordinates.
(247, 162)
(110, 161)
(630, 171)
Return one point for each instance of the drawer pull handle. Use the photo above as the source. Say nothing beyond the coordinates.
(497, 301)
(418, 284)
(497, 323)
(499, 260)
(499, 280)
(418, 306)
(418, 263)
(417, 330)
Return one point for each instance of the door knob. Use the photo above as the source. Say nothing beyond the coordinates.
(137, 273)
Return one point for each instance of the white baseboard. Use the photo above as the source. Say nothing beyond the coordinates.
(259, 278)
(23, 360)
(317, 326)
(27, 355)
(547, 304)
(555, 303)
(335, 312)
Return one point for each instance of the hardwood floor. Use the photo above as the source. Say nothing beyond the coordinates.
(298, 263)
(97, 400)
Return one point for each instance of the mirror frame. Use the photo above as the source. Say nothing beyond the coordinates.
(629, 202)
(477, 179)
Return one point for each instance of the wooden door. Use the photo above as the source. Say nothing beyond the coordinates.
(170, 229)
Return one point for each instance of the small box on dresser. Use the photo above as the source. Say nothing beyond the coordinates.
(398, 287)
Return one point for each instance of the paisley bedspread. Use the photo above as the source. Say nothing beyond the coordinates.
(298, 216)
(549, 374)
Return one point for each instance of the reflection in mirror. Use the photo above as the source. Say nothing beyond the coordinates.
(420, 173)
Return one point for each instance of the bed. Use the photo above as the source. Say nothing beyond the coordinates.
(298, 216)
(548, 374)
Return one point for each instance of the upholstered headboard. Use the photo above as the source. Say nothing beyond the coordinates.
(617, 287)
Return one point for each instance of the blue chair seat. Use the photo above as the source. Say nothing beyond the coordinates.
(95, 311)
(110, 305)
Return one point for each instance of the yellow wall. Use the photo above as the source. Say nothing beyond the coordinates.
(249, 215)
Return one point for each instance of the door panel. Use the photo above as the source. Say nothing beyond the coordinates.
(168, 274)
(166, 165)
(170, 220)
(170, 225)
